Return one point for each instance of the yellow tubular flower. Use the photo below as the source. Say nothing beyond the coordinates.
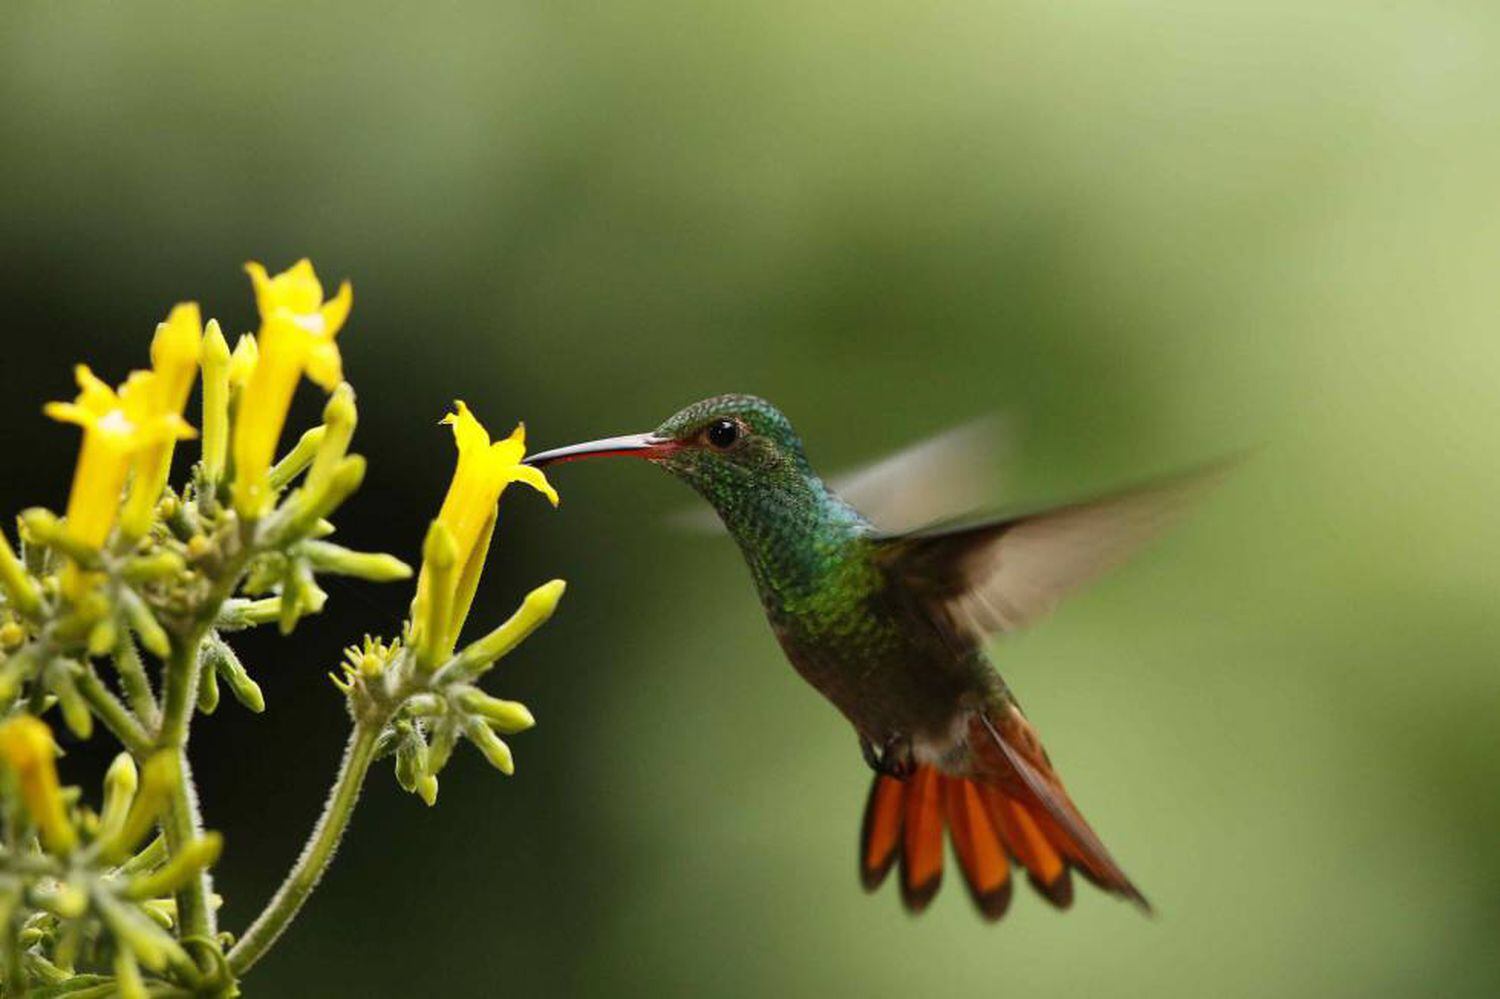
(174, 366)
(484, 469)
(27, 751)
(297, 330)
(116, 427)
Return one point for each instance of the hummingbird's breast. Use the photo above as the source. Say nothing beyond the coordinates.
(854, 636)
(848, 629)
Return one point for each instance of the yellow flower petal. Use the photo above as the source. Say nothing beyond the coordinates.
(175, 352)
(296, 339)
(325, 366)
(69, 412)
(534, 478)
(119, 427)
(485, 467)
(336, 310)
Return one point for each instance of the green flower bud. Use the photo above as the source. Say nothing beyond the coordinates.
(238, 614)
(208, 684)
(47, 529)
(538, 606)
(411, 757)
(159, 778)
(120, 784)
(157, 566)
(103, 637)
(372, 566)
(150, 856)
(226, 663)
(12, 636)
(75, 710)
(340, 416)
(444, 738)
(315, 504)
(491, 745)
(195, 857)
(297, 459)
(507, 717)
(133, 930)
(20, 589)
(162, 911)
(152, 635)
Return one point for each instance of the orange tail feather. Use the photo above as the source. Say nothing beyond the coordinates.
(1018, 813)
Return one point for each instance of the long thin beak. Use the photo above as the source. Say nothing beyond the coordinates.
(632, 445)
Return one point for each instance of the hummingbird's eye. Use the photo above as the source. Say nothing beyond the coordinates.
(722, 434)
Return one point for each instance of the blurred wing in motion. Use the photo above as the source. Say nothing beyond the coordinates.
(940, 477)
(1000, 575)
(950, 474)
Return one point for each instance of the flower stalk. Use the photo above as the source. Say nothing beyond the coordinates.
(274, 920)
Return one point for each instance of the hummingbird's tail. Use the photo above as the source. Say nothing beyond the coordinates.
(1021, 816)
(905, 820)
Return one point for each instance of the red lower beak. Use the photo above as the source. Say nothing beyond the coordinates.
(632, 445)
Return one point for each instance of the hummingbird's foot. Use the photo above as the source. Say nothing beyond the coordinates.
(892, 760)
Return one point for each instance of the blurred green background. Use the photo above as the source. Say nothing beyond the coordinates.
(1147, 232)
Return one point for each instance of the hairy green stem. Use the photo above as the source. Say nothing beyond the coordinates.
(115, 716)
(136, 684)
(316, 855)
(182, 824)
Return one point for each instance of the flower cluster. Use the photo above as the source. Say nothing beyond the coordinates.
(115, 614)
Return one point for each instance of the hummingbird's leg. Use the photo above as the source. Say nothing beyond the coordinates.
(893, 760)
(897, 757)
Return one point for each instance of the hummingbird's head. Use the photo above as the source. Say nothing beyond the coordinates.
(726, 448)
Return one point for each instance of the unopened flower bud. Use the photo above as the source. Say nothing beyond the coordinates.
(120, 784)
(506, 717)
(491, 745)
(538, 606)
(372, 566)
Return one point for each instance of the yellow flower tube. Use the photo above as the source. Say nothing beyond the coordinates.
(296, 338)
(175, 353)
(116, 427)
(484, 469)
(27, 750)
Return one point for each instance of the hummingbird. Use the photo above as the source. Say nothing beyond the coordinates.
(891, 626)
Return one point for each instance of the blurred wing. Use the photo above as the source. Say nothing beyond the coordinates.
(951, 473)
(1001, 575)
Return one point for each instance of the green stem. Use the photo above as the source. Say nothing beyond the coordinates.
(182, 824)
(136, 684)
(316, 855)
(15, 970)
(115, 716)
